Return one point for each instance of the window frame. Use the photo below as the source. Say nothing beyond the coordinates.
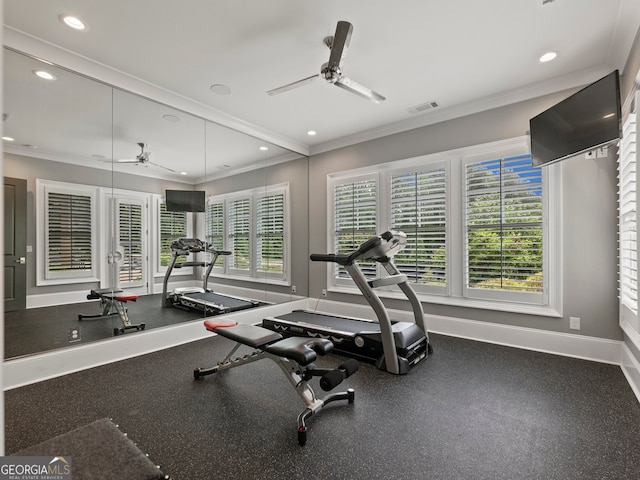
(337, 274)
(549, 302)
(225, 267)
(159, 269)
(43, 275)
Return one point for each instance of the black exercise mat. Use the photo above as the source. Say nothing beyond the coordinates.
(98, 450)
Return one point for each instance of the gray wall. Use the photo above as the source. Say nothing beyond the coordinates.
(588, 212)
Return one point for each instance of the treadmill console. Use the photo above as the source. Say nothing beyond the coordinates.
(188, 245)
(385, 245)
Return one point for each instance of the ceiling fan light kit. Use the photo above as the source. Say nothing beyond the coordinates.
(331, 71)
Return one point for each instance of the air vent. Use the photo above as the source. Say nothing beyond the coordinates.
(423, 107)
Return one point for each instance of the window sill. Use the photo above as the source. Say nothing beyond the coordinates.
(263, 280)
(501, 306)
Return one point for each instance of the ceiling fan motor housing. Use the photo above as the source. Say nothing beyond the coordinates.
(331, 74)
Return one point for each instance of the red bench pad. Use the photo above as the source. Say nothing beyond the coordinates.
(126, 297)
(212, 323)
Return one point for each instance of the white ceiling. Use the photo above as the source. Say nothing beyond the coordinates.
(467, 55)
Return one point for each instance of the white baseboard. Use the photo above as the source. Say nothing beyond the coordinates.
(631, 370)
(52, 299)
(566, 344)
(64, 298)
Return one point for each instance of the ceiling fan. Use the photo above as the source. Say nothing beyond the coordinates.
(332, 70)
(142, 159)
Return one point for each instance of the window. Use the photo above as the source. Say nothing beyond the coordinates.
(628, 234)
(214, 228)
(479, 229)
(130, 238)
(503, 249)
(239, 234)
(354, 219)
(270, 234)
(172, 225)
(66, 233)
(253, 225)
(418, 208)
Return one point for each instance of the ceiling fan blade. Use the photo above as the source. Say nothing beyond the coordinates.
(340, 44)
(293, 85)
(161, 166)
(355, 87)
(122, 160)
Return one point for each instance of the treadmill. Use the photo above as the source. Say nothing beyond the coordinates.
(202, 299)
(393, 346)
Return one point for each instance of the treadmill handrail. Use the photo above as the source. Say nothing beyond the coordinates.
(341, 259)
(348, 258)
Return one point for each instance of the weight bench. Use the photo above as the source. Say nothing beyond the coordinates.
(111, 299)
(294, 356)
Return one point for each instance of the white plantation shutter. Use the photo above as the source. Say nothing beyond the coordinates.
(418, 208)
(214, 224)
(239, 233)
(69, 235)
(627, 216)
(130, 238)
(173, 225)
(355, 219)
(504, 225)
(270, 216)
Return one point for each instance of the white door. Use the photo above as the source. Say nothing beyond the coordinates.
(128, 256)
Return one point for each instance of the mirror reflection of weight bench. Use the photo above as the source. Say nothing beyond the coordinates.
(112, 303)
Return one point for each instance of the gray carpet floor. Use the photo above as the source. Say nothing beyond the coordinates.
(471, 411)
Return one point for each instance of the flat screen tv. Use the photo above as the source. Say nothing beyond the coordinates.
(587, 120)
(185, 200)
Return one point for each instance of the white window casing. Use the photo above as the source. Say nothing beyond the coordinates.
(67, 233)
(433, 199)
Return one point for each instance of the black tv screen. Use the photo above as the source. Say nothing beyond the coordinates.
(588, 119)
(185, 200)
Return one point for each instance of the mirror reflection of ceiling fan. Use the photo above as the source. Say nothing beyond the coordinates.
(332, 70)
(141, 159)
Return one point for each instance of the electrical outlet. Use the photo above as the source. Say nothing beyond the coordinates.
(324, 293)
(293, 289)
(574, 323)
(602, 152)
(74, 335)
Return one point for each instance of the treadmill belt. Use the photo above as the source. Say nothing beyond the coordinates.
(349, 325)
(219, 299)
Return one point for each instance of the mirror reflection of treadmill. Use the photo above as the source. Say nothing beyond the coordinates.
(194, 298)
(394, 346)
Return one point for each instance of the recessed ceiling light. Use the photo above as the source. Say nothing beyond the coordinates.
(7, 139)
(547, 57)
(311, 132)
(264, 148)
(220, 89)
(183, 173)
(609, 115)
(73, 22)
(171, 118)
(44, 74)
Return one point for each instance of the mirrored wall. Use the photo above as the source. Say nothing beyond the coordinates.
(98, 163)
